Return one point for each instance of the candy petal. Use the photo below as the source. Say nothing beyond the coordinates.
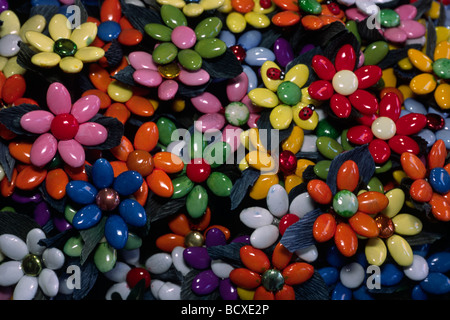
(84, 35)
(58, 27)
(345, 58)
(58, 98)
(71, 152)
(37, 121)
(91, 134)
(43, 149)
(40, 41)
(26, 288)
(85, 108)
(142, 60)
(167, 90)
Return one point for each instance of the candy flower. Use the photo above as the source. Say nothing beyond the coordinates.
(194, 9)
(66, 47)
(266, 280)
(108, 195)
(344, 87)
(65, 128)
(242, 13)
(30, 265)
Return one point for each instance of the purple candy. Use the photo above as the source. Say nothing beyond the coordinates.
(197, 257)
(3, 5)
(242, 239)
(41, 213)
(306, 48)
(21, 198)
(205, 282)
(283, 52)
(227, 290)
(215, 237)
(61, 224)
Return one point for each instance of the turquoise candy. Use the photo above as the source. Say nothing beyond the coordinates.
(102, 173)
(389, 18)
(328, 147)
(128, 182)
(197, 202)
(219, 184)
(289, 93)
(166, 129)
(441, 68)
(87, 217)
(345, 203)
(321, 168)
(375, 52)
(181, 186)
(217, 153)
(165, 53)
(116, 231)
(158, 32)
(172, 16)
(208, 28)
(81, 191)
(210, 48)
(105, 257)
(310, 6)
(190, 59)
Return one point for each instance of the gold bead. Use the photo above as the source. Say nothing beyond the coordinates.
(193, 239)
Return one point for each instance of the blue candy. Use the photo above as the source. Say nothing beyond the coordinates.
(258, 55)
(439, 180)
(444, 135)
(128, 182)
(362, 293)
(428, 136)
(390, 275)
(250, 39)
(439, 262)
(108, 30)
(87, 217)
(436, 283)
(81, 191)
(45, 3)
(329, 274)
(341, 292)
(133, 213)
(418, 294)
(116, 231)
(252, 78)
(102, 173)
(415, 106)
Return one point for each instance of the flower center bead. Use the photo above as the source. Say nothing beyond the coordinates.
(239, 52)
(65, 48)
(64, 126)
(272, 280)
(385, 225)
(194, 239)
(32, 265)
(345, 82)
(345, 203)
(107, 199)
(169, 71)
(198, 170)
(383, 128)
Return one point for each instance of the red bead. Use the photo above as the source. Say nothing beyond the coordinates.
(340, 105)
(239, 52)
(288, 162)
(274, 73)
(306, 112)
(323, 67)
(410, 124)
(64, 126)
(390, 106)
(265, 4)
(400, 144)
(364, 101)
(137, 274)
(359, 135)
(380, 151)
(321, 90)
(435, 122)
(286, 221)
(368, 76)
(198, 170)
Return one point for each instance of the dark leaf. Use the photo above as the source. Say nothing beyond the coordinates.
(137, 292)
(227, 66)
(394, 56)
(10, 117)
(126, 76)
(139, 17)
(191, 91)
(16, 223)
(47, 11)
(158, 208)
(228, 253)
(313, 289)
(89, 275)
(6, 160)
(369, 34)
(299, 235)
(268, 37)
(91, 238)
(422, 6)
(240, 187)
(431, 38)
(114, 54)
(297, 190)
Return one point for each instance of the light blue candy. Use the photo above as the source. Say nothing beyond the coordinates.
(116, 231)
(444, 135)
(258, 55)
(439, 112)
(133, 213)
(404, 112)
(81, 191)
(87, 217)
(428, 136)
(418, 294)
(436, 283)
(250, 39)
(128, 182)
(412, 105)
(439, 262)
(439, 180)
(108, 30)
(227, 37)
(446, 124)
(329, 274)
(252, 77)
(390, 275)
(341, 292)
(102, 173)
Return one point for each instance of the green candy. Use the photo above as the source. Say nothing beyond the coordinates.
(55, 163)
(105, 257)
(289, 93)
(158, 32)
(219, 184)
(197, 202)
(172, 16)
(384, 168)
(69, 213)
(389, 18)
(321, 168)
(133, 242)
(353, 28)
(375, 52)
(237, 113)
(165, 53)
(328, 147)
(208, 28)
(344, 141)
(166, 129)
(310, 6)
(73, 246)
(181, 186)
(375, 184)
(210, 48)
(345, 203)
(190, 59)
(325, 129)
(217, 153)
(441, 68)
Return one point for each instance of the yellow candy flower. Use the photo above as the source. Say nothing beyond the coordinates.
(193, 9)
(66, 47)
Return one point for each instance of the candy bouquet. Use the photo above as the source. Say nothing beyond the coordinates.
(224, 150)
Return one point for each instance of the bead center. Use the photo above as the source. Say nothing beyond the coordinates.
(65, 48)
(385, 225)
(64, 126)
(32, 265)
(272, 280)
(345, 82)
(194, 239)
(107, 199)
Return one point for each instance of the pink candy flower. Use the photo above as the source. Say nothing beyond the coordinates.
(65, 128)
